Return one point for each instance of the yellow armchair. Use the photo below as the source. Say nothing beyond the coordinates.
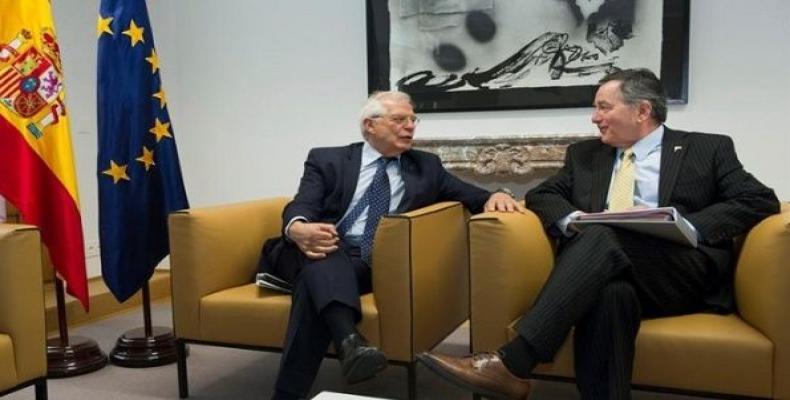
(418, 257)
(742, 354)
(23, 359)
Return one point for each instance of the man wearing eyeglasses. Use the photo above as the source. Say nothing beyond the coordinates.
(329, 227)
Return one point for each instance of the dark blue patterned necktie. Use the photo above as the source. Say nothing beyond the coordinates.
(377, 200)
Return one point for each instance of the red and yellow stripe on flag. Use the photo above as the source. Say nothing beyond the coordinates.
(36, 162)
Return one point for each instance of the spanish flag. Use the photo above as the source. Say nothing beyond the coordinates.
(36, 162)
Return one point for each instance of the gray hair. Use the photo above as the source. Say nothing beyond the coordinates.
(641, 84)
(375, 106)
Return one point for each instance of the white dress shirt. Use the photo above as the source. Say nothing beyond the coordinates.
(647, 161)
(367, 170)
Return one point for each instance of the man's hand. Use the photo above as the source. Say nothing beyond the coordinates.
(503, 202)
(315, 239)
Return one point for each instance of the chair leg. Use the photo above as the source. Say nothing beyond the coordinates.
(41, 389)
(411, 370)
(181, 360)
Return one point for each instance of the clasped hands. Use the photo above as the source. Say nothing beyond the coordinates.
(315, 239)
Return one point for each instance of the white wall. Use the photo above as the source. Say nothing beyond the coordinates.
(253, 84)
(264, 81)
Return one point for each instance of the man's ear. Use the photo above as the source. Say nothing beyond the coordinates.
(644, 111)
(368, 124)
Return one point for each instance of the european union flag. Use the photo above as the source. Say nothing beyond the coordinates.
(139, 174)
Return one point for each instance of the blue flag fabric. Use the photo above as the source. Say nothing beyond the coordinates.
(138, 170)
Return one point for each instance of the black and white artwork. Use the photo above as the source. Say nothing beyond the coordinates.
(496, 54)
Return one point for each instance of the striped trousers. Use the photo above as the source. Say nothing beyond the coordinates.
(605, 280)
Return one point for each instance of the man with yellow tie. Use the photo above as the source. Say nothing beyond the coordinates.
(605, 279)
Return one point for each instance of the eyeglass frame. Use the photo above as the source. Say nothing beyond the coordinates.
(399, 120)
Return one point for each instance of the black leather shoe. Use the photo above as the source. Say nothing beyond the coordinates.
(359, 360)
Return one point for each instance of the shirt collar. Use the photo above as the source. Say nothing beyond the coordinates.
(370, 155)
(647, 144)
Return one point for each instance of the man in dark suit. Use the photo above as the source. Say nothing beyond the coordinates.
(330, 225)
(606, 279)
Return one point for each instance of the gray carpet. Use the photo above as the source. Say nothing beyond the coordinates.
(222, 373)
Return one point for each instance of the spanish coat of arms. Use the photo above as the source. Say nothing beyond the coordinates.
(31, 80)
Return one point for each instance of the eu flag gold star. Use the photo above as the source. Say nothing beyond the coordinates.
(135, 33)
(103, 26)
(154, 61)
(117, 172)
(161, 96)
(160, 130)
(147, 158)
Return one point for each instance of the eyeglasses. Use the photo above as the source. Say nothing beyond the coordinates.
(400, 119)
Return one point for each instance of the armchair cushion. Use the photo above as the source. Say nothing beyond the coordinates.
(697, 352)
(8, 374)
(254, 316)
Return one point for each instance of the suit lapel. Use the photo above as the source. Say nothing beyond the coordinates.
(408, 171)
(603, 162)
(352, 163)
(673, 149)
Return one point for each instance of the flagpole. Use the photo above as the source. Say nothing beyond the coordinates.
(70, 355)
(60, 298)
(147, 310)
(149, 346)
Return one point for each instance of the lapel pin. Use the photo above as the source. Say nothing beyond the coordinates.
(677, 148)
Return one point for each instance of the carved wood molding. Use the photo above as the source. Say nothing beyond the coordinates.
(520, 156)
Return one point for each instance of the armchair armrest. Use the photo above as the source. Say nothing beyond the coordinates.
(510, 258)
(762, 290)
(420, 278)
(22, 298)
(12, 216)
(216, 248)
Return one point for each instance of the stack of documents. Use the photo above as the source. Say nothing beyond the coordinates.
(662, 222)
(273, 282)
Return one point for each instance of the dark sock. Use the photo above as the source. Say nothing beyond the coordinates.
(519, 357)
(339, 318)
(282, 395)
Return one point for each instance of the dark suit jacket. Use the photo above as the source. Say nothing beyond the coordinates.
(331, 174)
(328, 184)
(700, 176)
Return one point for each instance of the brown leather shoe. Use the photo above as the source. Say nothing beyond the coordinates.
(482, 373)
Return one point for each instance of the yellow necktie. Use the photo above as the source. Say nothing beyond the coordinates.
(622, 195)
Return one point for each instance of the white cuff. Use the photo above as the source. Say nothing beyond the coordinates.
(291, 222)
(562, 224)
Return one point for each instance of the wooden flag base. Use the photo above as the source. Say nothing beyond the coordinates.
(78, 356)
(136, 349)
(147, 346)
(71, 355)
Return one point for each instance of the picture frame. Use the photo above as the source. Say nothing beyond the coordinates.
(436, 87)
